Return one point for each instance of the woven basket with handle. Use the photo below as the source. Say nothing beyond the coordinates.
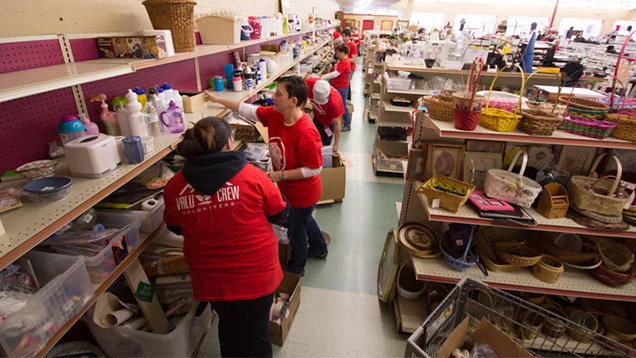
(513, 188)
(615, 256)
(176, 16)
(602, 195)
(626, 125)
(439, 109)
(501, 120)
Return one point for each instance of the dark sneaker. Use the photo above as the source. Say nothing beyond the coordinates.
(346, 128)
(320, 255)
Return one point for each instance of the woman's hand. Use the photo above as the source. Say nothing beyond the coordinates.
(276, 176)
(211, 97)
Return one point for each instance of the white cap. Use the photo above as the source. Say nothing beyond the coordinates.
(322, 89)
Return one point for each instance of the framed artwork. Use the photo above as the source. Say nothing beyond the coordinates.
(388, 268)
(540, 157)
(627, 158)
(403, 24)
(387, 25)
(444, 159)
(576, 160)
(473, 145)
(350, 23)
(476, 165)
(416, 164)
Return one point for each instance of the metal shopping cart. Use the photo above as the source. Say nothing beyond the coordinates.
(540, 331)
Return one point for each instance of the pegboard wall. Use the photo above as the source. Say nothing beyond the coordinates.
(28, 124)
(19, 56)
(84, 49)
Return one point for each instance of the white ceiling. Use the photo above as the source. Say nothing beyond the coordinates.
(367, 4)
(596, 4)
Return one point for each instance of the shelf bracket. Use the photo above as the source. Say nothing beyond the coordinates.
(67, 54)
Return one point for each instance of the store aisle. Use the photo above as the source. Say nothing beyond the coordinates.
(340, 315)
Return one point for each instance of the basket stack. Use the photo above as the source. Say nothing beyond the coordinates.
(176, 16)
(617, 264)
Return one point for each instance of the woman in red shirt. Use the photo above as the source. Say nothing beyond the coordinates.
(340, 80)
(295, 149)
(223, 209)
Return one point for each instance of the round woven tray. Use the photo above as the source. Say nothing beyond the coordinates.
(521, 256)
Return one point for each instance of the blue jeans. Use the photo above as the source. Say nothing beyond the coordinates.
(345, 117)
(349, 93)
(300, 225)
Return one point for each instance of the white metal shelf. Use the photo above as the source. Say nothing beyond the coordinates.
(467, 215)
(448, 130)
(571, 283)
(20, 84)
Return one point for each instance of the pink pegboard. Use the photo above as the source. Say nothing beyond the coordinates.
(29, 124)
(181, 75)
(18, 56)
(212, 65)
(84, 49)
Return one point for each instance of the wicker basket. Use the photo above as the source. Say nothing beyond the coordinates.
(615, 256)
(521, 256)
(513, 188)
(498, 119)
(487, 237)
(449, 201)
(531, 325)
(587, 113)
(584, 103)
(216, 30)
(439, 109)
(586, 320)
(626, 126)
(588, 127)
(548, 269)
(622, 328)
(556, 109)
(176, 16)
(604, 199)
(536, 122)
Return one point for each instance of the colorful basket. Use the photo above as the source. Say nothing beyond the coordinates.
(587, 127)
(467, 110)
(585, 113)
(498, 119)
(625, 125)
(439, 109)
(513, 188)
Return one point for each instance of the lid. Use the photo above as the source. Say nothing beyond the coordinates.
(218, 77)
(166, 86)
(159, 89)
(71, 126)
(139, 91)
(48, 185)
(262, 60)
(68, 118)
(237, 79)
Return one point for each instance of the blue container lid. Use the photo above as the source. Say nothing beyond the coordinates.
(71, 126)
(139, 91)
(166, 86)
(48, 185)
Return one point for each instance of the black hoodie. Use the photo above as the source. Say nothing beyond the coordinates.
(208, 173)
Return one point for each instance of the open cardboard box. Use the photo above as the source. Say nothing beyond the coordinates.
(291, 286)
(334, 181)
(484, 333)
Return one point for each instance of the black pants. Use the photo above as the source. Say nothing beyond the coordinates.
(324, 137)
(244, 327)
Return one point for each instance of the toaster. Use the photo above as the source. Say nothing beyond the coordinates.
(92, 156)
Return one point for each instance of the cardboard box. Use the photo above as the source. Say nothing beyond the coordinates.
(334, 181)
(291, 286)
(486, 333)
(132, 47)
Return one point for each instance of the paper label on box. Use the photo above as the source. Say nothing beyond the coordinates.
(435, 203)
(145, 292)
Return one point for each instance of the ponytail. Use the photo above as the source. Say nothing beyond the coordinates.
(209, 135)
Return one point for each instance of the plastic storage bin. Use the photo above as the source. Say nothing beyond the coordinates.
(181, 342)
(65, 289)
(395, 83)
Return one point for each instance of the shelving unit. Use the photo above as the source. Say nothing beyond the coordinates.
(14, 85)
(416, 208)
(31, 224)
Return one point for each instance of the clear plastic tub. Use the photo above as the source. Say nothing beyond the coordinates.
(395, 83)
(65, 289)
(102, 264)
(180, 342)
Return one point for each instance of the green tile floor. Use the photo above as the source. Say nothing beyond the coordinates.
(340, 315)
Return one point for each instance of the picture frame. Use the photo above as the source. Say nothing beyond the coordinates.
(576, 160)
(403, 24)
(473, 145)
(416, 164)
(481, 162)
(444, 159)
(387, 25)
(388, 268)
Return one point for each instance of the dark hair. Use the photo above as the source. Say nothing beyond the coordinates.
(574, 70)
(343, 48)
(296, 87)
(208, 135)
(346, 32)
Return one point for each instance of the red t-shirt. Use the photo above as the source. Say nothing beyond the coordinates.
(336, 34)
(353, 50)
(230, 247)
(356, 39)
(292, 147)
(344, 67)
(327, 112)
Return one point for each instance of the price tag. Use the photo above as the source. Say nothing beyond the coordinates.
(435, 203)
(145, 292)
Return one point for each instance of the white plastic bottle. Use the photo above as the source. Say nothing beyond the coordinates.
(136, 119)
(172, 95)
